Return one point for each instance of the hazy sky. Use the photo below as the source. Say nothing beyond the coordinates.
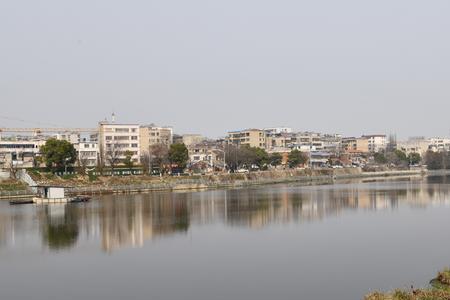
(205, 66)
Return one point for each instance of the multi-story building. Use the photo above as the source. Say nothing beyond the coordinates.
(279, 142)
(277, 130)
(248, 137)
(177, 139)
(376, 142)
(312, 140)
(438, 144)
(73, 138)
(192, 139)
(88, 153)
(355, 145)
(153, 135)
(21, 152)
(207, 154)
(414, 145)
(331, 143)
(116, 140)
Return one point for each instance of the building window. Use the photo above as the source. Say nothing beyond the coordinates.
(121, 138)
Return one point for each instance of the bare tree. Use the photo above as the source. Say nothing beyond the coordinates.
(159, 156)
(113, 156)
(83, 162)
(101, 161)
(13, 169)
(146, 162)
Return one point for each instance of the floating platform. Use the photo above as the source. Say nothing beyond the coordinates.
(19, 202)
(76, 199)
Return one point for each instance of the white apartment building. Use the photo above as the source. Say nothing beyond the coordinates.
(277, 130)
(438, 144)
(192, 139)
(88, 153)
(376, 142)
(117, 139)
(73, 138)
(21, 152)
(312, 140)
(414, 145)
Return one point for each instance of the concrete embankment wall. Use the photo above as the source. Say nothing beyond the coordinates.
(240, 180)
(227, 181)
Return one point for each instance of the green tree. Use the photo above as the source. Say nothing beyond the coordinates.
(402, 157)
(275, 159)
(397, 157)
(296, 158)
(380, 158)
(259, 156)
(179, 155)
(437, 160)
(128, 161)
(414, 158)
(58, 154)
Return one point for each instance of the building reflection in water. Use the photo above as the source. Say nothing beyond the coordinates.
(130, 220)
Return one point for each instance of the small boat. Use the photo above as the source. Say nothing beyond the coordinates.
(79, 199)
(19, 202)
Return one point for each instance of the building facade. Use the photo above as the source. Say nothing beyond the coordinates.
(277, 130)
(22, 153)
(152, 135)
(88, 153)
(438, 144)
(247, 137)
(355, 145)
(115, 140)
(376, 142)
(192, 139)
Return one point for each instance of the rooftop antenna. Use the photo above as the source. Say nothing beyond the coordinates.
(113, 118)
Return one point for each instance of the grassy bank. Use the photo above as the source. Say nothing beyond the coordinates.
(12, 185)
(439, 290)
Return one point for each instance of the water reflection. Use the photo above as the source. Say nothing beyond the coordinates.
(59, 226)
(125, 221)
(128, 221)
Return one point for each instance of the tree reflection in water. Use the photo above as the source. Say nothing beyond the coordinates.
(60, 226)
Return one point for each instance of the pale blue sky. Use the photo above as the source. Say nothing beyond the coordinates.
(348, 66)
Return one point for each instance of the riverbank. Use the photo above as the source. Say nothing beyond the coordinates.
(439, 290)
(141, 184)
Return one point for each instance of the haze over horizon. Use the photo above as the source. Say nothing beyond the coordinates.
(350, 67)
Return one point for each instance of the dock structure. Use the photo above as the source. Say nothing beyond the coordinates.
(50, 194)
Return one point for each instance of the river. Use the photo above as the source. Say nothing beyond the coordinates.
(285, 241)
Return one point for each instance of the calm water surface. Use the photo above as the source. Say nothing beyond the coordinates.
(275, 242)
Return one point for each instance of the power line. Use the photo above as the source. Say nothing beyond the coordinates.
(28, 121)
